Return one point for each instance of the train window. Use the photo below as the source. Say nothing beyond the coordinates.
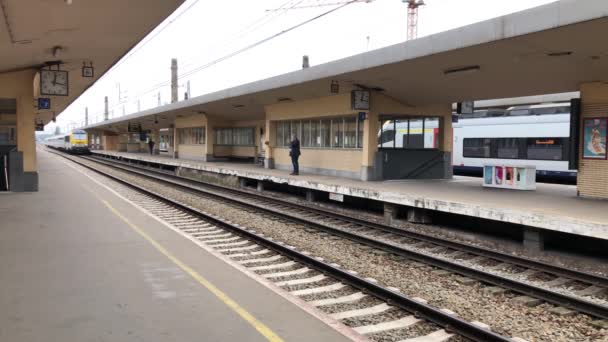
(431, 125)
(66, 138)
(551, 110)
(519, 112)
(507, 148)
(476, 147)
(546, 148)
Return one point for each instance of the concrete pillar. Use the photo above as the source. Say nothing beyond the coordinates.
(370, 146)
(260, 186)
(209, 140)
(26, 129)
(175, 141)
(243, 182)
(534, 240)
(418, 215)
(391, 212)
(271, 134)
(591, 178)
(310, 195)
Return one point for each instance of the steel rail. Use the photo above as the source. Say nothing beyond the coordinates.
(481, 251)
(571, 302)
(449, 322)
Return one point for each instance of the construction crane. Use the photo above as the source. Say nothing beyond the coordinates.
(320, 4)
(412, 17)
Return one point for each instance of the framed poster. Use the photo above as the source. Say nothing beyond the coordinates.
(594, 138)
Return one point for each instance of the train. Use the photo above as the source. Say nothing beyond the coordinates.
(75, 142)
(530, 135)
(526, 135)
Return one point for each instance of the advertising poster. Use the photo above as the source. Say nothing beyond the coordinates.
(594, 138)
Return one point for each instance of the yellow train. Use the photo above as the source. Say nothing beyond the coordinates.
(75, 141)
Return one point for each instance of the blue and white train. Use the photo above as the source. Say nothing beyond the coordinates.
(522, 135)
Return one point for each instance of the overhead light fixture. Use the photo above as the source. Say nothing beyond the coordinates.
(56, 51)
(68, 2)
(238, 106)
(201, 112)
(284, 99)
(462, 70)
(559, 53)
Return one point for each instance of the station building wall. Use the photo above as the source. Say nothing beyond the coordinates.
(20, 87)
(238, 148)
(362, 161)
(592, 173)
(191, 151)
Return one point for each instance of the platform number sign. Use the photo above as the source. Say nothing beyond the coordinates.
(44, 103)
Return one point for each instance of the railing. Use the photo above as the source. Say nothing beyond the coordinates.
(438, 158)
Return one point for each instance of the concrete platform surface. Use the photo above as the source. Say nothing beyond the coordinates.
(71, 269)
(551, 206)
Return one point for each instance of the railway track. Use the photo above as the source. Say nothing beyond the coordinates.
(374, 311)
(530, 278)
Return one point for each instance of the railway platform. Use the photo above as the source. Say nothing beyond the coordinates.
(81, 263)
(551, 208)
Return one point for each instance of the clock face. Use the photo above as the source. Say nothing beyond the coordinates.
(360, 99)
(54, 82)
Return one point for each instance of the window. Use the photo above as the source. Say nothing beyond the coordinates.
(507, 148)
(191, 136)
(476, 147)
(415, 133)
(341, 132)
(337, 133)
(235, 136)
(350, 132)
(306, 134)
(547, 148)
(516, 148)
(360, 125)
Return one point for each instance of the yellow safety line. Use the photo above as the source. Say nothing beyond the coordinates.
(259, 326)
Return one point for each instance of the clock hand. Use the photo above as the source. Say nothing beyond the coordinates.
(55, 79)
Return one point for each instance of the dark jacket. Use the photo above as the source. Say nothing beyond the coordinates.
(294, 148)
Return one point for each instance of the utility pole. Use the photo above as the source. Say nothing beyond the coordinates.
(86, 116)
(138, 105)
(158, 98)
(105, 110)
(188, 89)
(173, 80)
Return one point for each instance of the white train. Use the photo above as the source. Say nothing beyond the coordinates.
(75, 141)
(522, 135)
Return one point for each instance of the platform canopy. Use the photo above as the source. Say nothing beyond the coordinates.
(96, 32)
(548, 49)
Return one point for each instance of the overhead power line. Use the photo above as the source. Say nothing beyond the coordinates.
(251, 46)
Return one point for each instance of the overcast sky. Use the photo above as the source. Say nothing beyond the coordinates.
(201, 31)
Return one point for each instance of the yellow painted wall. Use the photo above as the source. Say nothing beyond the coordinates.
(20, 85)
(340, 105)
(344, 160)
(593, 174)
(191, 151)
(234, 151)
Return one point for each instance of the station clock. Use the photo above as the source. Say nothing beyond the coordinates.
(360, 99)
(54, 82)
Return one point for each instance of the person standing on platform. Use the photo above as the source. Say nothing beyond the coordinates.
(151, 145)
(294, 153)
